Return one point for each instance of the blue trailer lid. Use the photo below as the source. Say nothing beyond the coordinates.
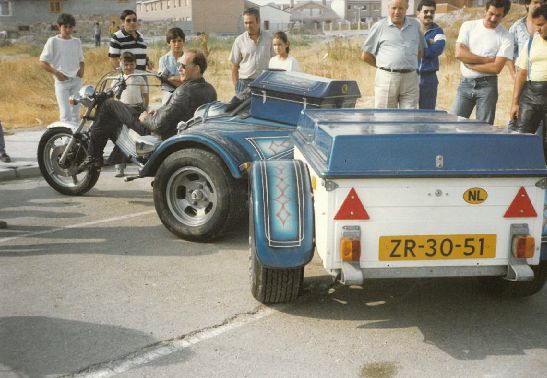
(302, 85)
(412, 143)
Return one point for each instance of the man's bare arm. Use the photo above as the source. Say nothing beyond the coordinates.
(368, 58)
(517, 90)
(464, 55)
(235, 74)
(494, 67)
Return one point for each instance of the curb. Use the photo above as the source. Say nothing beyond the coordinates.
(19, 172)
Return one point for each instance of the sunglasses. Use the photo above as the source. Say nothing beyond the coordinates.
(131, 20)
(181, 65)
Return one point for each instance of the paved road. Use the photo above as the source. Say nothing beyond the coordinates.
(96, 286)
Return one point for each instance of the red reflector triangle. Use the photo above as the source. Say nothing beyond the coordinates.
(351, 208)
(521, 207)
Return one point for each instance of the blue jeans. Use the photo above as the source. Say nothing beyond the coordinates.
(428, 90)
(481, 92)
(242, 84)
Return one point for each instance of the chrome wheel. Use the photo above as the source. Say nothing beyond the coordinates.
(191, 196)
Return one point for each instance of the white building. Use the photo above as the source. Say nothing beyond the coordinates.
(274, 19)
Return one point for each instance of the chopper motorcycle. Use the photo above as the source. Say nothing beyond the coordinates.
(63, 146)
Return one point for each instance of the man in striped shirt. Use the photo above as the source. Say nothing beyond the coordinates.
(128, 39)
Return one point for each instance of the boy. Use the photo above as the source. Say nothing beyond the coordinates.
(134, 95)
(63, 57)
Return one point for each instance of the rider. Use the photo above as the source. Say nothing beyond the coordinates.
(112, 114)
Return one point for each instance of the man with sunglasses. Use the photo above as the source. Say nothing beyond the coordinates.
(191, 94)
(428, 66)
(128, 39)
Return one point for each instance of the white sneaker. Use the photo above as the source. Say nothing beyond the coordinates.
(119, 171)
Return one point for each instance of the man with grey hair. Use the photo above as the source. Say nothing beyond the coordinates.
(251, 51)
(394, 46)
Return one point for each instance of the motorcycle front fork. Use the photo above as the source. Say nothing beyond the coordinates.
(72, 140)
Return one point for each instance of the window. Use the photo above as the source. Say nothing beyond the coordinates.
(55, 6)
(5, 8)
(267, 25)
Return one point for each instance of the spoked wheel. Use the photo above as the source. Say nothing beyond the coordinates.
(65, 177)
(195, 196)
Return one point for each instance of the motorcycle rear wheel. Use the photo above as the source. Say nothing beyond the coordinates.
(64, 178)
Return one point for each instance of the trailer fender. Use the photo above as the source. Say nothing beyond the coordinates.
(281, 213)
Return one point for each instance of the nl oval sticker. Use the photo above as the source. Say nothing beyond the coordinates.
(474, 196)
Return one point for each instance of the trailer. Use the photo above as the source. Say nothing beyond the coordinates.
(385, 193)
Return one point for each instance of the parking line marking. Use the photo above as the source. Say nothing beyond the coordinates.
(122, 217)
(164, 348)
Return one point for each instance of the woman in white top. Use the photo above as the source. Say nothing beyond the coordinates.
(282, 60)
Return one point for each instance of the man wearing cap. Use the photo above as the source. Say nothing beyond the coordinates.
(394, 46)
(190, 95)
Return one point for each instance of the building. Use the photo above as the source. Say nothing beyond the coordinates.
(19, 14)
(311, 15)
(273, 18)
(357, 10)
(210, 16)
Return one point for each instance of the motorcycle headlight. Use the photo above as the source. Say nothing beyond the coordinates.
(87, 91)
(84, 96)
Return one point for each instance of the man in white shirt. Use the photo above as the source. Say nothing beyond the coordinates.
(483, 47)
(251, 51)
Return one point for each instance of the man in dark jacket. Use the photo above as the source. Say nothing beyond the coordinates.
(434, 46)
(192, 93)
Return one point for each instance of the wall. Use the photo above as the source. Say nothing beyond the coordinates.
(156, 10)
(26, 12)
(275, 18)
(214, 16)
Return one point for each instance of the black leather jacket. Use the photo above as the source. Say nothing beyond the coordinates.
(181, 107)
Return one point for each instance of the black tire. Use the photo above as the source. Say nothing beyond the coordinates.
(195, 195)
(271, 285)
(516, 289)
(65, 179)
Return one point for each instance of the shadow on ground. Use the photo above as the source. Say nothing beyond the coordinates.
(37, 346)
(453, 314)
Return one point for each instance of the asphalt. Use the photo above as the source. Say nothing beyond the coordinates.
(21, 146)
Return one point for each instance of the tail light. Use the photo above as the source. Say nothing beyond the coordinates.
(523, 246)
(350, 244)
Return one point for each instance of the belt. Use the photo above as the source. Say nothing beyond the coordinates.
(397, 71)
(482, 78)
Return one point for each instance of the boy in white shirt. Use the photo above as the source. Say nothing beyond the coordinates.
(63, 57)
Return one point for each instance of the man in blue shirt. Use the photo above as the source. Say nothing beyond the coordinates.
(428, 66)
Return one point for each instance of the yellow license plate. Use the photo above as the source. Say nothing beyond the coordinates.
(437, 247)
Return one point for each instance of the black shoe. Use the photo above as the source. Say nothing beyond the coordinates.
(90, 163)
(5, 158)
